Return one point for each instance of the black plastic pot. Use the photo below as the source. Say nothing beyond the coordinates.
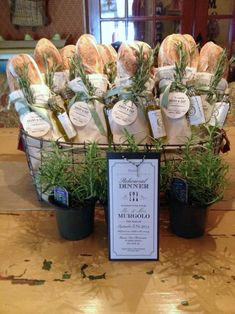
(75, 223)
(187, 221)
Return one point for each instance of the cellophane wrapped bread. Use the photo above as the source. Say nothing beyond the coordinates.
(123, 85)
(128, 110)
(89, 85)
(211, 80)
(29, 95)
(174, 61)
(49, 61)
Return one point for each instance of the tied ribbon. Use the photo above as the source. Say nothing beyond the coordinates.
(126, 94)
(172, 87)
(18, 97)
(90, 100)
(189, 90)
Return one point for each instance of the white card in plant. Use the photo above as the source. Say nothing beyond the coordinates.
(124, 112)
(219, 114)
(34, 125)
(80, 114)
(196, 114)
(156, 123)
(61, 195)
(178, 105)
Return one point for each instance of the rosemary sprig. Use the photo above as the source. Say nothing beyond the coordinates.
(219, 70)
(143, 68)
(24, 82)
(50, 72)
(78, 70)
(110, 69)
(180, 66)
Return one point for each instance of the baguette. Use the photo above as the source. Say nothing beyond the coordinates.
(45, 48)
(86, 49)
(127, 56)
(194, 52)
(208, 58)
(107, 53)
(15, 65)
(168, 54)
(67, 53)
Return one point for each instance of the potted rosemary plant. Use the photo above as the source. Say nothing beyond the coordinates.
(200, 180)
(73, 186)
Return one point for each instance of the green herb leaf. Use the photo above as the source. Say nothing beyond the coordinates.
(46, 264)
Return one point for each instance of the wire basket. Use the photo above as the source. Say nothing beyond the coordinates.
(34, 147)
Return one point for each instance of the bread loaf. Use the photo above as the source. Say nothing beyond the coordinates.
(14, 68)
(86, 49)
(168, 54)
(45, 48)
(107, 53)
(194, 52)
(127, 56)
(67, 53)
(208, 58)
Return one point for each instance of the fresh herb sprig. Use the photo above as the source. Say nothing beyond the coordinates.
(24, 82)
(84, 179)
(110, 69)
(50, 71)
(180, 66)
(143, 68)
(204, 171)
(78, 70)
(219, 70)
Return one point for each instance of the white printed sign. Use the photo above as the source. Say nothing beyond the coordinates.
(133, 205)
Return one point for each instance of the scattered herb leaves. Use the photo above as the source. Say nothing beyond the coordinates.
(46, 265)
(66, 275)
(198, 277)
(185, 303)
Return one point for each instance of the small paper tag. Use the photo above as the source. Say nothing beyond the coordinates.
(61, 195)
(178, 105)
(196, 114)
(80, 114)
(67, 125)
(179, 190)
(156, 122)
(34, 125)
(124, 112)
(219, 114)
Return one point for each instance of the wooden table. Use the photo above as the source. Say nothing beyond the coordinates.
(192, 276)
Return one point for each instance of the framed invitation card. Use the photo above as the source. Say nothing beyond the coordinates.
(133, 201)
